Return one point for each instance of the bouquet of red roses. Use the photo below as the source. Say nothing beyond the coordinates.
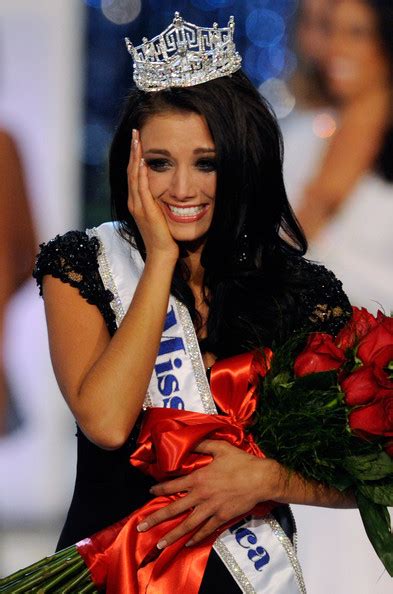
(324, 410)
(327, 413)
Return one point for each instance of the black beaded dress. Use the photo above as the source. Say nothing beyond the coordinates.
(107, 487)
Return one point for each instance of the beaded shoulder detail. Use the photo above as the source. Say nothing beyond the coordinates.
(324, 302)
(73, 258)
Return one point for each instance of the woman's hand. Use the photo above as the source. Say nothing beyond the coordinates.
(230, 486)
(146, 212)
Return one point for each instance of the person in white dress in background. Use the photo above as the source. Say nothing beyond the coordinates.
(339, 162)
(338, 170)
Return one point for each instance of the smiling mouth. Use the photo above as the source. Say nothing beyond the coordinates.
(186, 214)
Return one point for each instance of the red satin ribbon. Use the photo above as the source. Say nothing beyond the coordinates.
(126, 561)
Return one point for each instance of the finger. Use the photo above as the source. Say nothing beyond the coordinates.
(146, 197)
(188, 525)
(165, 513)
(134, 201)
(211, 526)
(171, 487)
(210, 446)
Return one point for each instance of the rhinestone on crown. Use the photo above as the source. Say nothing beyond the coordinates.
(184, 55)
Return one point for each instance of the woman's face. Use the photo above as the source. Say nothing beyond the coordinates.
(312, 30)
(355, 62)
(180, 155)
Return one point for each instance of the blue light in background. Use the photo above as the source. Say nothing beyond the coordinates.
(215, 4)
(264, 27)
(285, 8)
(212, 4)
(250, 61)
(282, 60)
(201, 4)
(96, 138)
(93, 3)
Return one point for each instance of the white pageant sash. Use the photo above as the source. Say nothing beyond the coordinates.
(257, 552)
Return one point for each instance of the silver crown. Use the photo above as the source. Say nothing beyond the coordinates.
(184, 55)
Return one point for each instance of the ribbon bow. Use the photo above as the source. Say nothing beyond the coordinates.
(124, 560)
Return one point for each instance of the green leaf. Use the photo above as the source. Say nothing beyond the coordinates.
(382, 494)
(282, 380)
(342, 481)
(376, 521)
(369, 467)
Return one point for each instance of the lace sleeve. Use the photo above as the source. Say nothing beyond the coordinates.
(325, 303)
(73, 259)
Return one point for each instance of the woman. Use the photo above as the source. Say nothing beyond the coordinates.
(310, 39)
(340, 186)
(17, 247)
(342, 190)
(203, 218)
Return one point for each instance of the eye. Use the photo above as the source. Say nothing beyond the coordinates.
(158, 164)
(207, 164)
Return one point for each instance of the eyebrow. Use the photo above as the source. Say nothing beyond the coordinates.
(198, 151)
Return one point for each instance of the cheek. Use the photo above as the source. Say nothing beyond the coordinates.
(158, 182)
(209, 185)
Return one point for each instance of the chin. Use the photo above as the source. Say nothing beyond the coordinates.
(188, 232)
(187, 237)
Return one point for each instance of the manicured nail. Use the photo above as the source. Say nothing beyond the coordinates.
(151, 490)
(161, 544)
(142, 526)
(189, 543)
(142, 163)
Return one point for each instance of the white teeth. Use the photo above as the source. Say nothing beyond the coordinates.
(190, 211)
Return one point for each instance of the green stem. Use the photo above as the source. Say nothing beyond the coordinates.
(62, 578)
(332, 404)
(26, 571)
(81, 578)
(88, 588)
(47, 572)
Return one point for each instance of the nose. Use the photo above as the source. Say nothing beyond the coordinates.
(182, 185)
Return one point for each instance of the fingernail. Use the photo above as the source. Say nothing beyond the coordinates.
(161, 544)
(151, 490)
(142, 526)
(142, 163)
(189, 543)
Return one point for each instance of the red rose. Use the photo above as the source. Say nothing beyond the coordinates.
(358, 326)
(320, 354)
(380, 337)
(366, 384)
(374, 419)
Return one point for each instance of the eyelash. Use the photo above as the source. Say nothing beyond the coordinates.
(205, 164)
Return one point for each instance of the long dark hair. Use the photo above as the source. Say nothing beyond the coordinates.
(383, 10)
(253, 231)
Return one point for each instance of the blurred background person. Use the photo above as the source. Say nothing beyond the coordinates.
(340, 182)
(40, 105)
(310, 40)
(18, 246)
(338, 169)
